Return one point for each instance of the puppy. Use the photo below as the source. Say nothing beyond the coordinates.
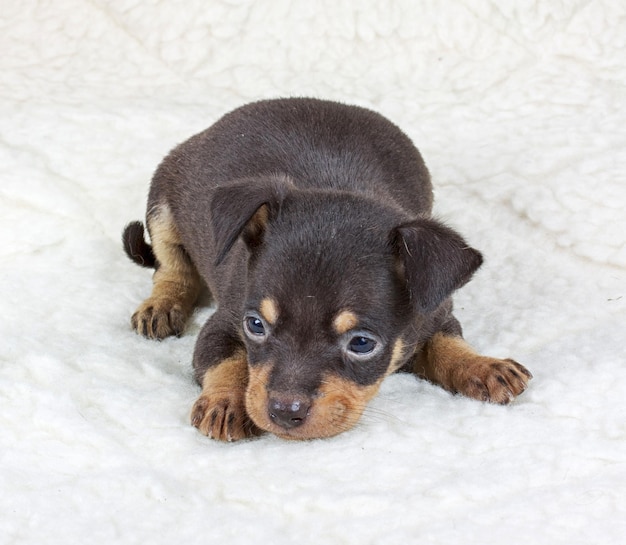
(310, 223)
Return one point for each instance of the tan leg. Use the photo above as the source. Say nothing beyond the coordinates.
(176, 283)
(453, 364)
(220, 411)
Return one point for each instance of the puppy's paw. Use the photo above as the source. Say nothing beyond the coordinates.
(157, 318)
(222, 417)
(490, 379)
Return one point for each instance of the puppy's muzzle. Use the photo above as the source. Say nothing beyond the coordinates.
(288, 411)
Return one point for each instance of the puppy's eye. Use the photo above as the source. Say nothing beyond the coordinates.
(254, 327)
(361, 345)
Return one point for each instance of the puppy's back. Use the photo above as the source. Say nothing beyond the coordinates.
(317, 143)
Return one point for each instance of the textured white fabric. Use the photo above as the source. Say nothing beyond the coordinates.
(519, 109)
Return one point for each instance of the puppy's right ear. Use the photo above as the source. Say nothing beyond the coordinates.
(244, 209)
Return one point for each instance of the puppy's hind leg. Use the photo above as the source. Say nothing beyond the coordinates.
(176, 282)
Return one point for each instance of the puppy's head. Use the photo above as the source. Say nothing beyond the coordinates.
(338, 289)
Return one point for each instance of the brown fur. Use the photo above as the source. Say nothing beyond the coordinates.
(220, 411)
(310, 223)
(339, 406)
(269, 310)
(398, 356)
(345, 321)
(452, 363)
(176, 283)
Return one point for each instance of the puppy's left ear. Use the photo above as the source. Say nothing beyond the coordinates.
(435, 261)
(244, 209)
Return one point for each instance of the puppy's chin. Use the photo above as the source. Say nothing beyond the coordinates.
(336, 408)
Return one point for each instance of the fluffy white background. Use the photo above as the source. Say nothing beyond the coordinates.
(519, 109)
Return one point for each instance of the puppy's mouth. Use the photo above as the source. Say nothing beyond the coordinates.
(335, 408)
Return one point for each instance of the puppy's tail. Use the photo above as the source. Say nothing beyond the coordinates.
(136, 247)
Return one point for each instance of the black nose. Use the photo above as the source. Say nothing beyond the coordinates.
(288, 412)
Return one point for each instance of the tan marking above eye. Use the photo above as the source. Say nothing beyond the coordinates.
(345, 321)
(269, 310)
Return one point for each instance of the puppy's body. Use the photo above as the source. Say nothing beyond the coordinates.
(309, 221)
(317, 145)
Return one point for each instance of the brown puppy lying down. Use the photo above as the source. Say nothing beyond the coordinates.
(309, 222)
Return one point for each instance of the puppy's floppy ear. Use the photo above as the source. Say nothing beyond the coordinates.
(244, 209)
(435, 261)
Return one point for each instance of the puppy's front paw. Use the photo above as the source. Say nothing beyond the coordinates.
(222, 417)
(157, 318)
(490, 379)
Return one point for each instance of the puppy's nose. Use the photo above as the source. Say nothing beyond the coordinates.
(288, 412)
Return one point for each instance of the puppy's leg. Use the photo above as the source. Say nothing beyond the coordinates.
(176, 283)
(221, 367)
(449, 361)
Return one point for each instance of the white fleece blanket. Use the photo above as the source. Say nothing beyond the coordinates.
(519, 109)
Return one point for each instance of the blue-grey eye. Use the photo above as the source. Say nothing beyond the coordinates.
(361, 345)
(254, 326)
